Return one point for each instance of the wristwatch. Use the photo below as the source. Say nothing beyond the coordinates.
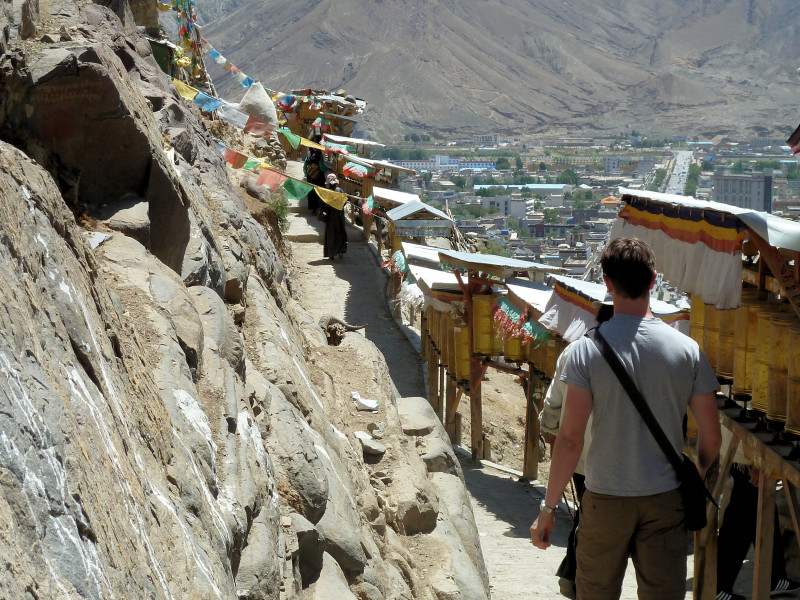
(543, 508)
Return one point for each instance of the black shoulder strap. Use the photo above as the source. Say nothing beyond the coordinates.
(636, 397)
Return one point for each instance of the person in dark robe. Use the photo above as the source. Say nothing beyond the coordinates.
(315, 170)
(335, 235)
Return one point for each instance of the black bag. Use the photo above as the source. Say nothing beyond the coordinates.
(313, 172)
(694, 494)
(692, 487)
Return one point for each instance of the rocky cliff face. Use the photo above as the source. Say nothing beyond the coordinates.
(171, 424)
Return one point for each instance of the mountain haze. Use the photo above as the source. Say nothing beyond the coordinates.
(697, 67)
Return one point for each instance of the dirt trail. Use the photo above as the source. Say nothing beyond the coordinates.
(354, 289)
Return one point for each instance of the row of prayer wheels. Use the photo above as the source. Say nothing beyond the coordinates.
(757, 348)
(450, 338)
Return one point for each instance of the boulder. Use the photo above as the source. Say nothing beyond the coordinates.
(331, 583)
(218, 327)
(311, 548)
(259, 573)
(370, 446)
(417, 417)
(439, 456)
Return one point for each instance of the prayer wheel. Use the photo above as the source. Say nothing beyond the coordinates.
(696, 319)
(711, 335)
(727, 336)
(461, 339)
(779, 326)
(761, 362)
(486, 337)
(745, 344)
(793, 381)
(514, 351)
(536, 351)
(555, 347)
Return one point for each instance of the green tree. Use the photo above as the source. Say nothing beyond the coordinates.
(518, 161)
(425, 138)
(526, 193)
(415, 138)
(426, 177)
(707, 165)
(542, 166)
(579, 204)
(459, 180)
(550, 215)
(568, 176)
(502, 164)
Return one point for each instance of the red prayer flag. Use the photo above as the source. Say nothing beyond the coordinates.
(272, 179)
(258, 127)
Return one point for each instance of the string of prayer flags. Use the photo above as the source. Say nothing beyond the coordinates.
(272, 179)
(292, 138)
(295, 190)
(333, 198)
(186, 91)
(206, 102)
(225, 111)
(242, 78)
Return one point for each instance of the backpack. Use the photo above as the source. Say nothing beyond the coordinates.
(313, 172)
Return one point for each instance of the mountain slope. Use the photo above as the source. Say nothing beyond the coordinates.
(679, 66)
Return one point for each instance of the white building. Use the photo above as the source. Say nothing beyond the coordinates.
(490, 140)
(746, 190)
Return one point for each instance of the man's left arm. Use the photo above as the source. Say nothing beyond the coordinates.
(566, 453)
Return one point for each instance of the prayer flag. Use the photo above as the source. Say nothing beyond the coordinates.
(238, 161)
(213, 54)
(292, 138)
(252, 163)
(248, 82)
(272, 179)
(333, 198)
(220, 60)
(295, 190)
(185, 91)
(206, 102)
(258, 127)
(234, 116)
(227, 66)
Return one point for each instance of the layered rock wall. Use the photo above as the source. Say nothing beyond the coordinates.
(172, 424)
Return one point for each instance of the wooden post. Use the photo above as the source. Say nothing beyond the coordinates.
(476, 372)
(762, 568)
(433, 375)
(450, 391)
(530, 462)
(366, 223)
(379, 224)
(452, 418)
(423, 334)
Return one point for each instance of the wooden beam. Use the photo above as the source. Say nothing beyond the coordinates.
(781, 270)
(762, 568)
(530, 462)
(716, 490)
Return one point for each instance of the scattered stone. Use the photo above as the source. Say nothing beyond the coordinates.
(370, 446)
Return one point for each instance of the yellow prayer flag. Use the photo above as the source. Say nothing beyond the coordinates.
(186, 91)
(310, 144)
(335, 199)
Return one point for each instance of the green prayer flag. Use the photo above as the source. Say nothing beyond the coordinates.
(295, 190)
(252, 163)
(293, 139)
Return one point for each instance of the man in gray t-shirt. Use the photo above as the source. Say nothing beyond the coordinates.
(632, 506)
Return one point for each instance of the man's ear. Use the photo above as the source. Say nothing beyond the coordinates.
(653, 280)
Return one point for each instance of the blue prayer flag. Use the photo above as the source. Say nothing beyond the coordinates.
(207, 103)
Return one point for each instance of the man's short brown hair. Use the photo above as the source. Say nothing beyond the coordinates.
(629, 263)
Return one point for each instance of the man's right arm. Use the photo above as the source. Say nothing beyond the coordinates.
(709, 436)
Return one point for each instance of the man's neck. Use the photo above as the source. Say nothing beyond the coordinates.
(636, 307)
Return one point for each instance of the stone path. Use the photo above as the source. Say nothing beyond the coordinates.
(354, 288)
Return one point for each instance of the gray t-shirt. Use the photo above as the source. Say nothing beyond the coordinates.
(668, 368)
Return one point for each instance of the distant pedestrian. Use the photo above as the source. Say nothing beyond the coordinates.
(315, 170)
(335, 235)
